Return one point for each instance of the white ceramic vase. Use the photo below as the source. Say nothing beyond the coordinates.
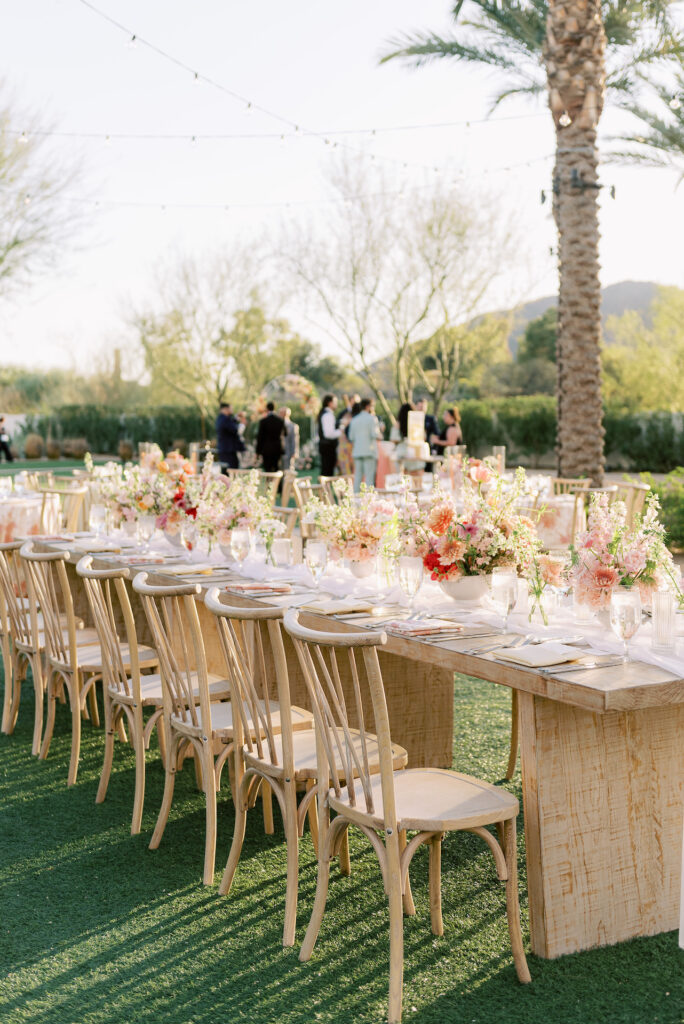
(466, 588)
(362, 569)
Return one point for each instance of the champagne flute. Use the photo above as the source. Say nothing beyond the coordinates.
(146, 527)
(504, 592)
(240, 544)
(410, 572)
(316, 558)
(625, 615)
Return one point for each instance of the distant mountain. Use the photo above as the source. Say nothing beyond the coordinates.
(616, 299)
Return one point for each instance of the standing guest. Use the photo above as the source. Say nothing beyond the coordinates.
(402, 453)
(349, 404)
(431, 429)
(364, 433)
(345, 459)
(291, 442)
(5, 441)
(451, 434)
(269, 442)
(229, 440)
(328, 435)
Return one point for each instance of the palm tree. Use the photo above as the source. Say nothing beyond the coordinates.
(577, 50)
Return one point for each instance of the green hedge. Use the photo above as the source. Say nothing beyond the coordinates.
(104, 427)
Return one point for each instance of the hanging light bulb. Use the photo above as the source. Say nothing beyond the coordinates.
(23, 138)
(675, 103)
(132, 42)
(195, 78)
(564, 120)
(248, 107)
(108, 140)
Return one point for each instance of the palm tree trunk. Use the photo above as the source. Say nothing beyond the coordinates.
(575, 63)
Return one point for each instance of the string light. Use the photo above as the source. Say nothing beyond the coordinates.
(133, 42)
(674, 103)
(565, 120)
(249, 104)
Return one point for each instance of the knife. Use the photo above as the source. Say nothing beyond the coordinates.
(574, 667)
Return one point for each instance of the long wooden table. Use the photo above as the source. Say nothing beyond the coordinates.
(602, 756)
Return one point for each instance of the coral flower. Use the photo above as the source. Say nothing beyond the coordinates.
(440, 518)
(606, 577)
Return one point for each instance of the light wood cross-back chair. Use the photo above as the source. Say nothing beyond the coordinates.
(281, 748)
(198, 715)
(427, 801)
(568, 485)
(274, 741)
(269, 484)
(71, 507)
(127, 692)
(289, 476)
(20, 648)
(288, 517)
(74, 658)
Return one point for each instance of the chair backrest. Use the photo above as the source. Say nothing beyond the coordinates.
(71, 504)
(287, 516)
(17, 616)
(107, 593)
(49, 590)
(334, 486)
(634, 496)
(248, 636)
(568, 485)
(304, 490)
(289, 476)
(171, 612)
(345, 724)
(269, 483)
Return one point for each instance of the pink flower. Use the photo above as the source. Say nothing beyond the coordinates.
(480, 474)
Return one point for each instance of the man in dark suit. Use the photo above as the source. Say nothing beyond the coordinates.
(269, 443)
(228, 438)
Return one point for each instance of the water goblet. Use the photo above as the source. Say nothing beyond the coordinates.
(625, 615)
(410, 572)
(504, 592)
(316, 558)
(240, 544)
(146, 527)
(96, 519)
(188, 534)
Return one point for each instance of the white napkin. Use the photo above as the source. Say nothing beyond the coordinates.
(540, 655)
(335, 607)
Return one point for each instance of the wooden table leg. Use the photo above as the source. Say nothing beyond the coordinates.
(603, 796)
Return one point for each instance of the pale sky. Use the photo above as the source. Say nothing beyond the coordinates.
(313, 63)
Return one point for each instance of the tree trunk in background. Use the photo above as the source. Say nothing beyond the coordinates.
(574, 54)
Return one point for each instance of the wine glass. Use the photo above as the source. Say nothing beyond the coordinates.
(188, 534)
(240, 543)
(625, 615)
(146, 527)
(410, 573)
(96, 519)
(504, 592)
(316, 558)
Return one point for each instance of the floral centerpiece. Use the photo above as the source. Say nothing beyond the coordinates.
(238, 507)
(355, 526)
(611, 553)
(488, 532)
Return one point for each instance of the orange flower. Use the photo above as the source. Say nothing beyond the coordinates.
(440, 518)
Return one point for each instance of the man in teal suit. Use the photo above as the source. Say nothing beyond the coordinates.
(364, 432)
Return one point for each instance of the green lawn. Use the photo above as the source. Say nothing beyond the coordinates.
(97, 929)
(59, 467)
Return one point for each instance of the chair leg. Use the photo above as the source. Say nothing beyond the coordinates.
(138, 740)
(15, 696)
(512, 904)
(292, 840)
(513, 752)
(74, 698)
(94, 710)
(267, 807)
(319, 904)
(111, 715)
(409, 905)
(312, 815)
(9, 683)
(436, 885)
(345, 859)
(50, 720)
(210, 796)
(396, 913)
(167, 799)
(39, 693)
(161, 739)
(241, 802)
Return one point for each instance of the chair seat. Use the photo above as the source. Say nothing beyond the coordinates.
(433, 799)
(84, 637)
(90, 655)
(304, 749)
(151, 690)
(222, 718)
